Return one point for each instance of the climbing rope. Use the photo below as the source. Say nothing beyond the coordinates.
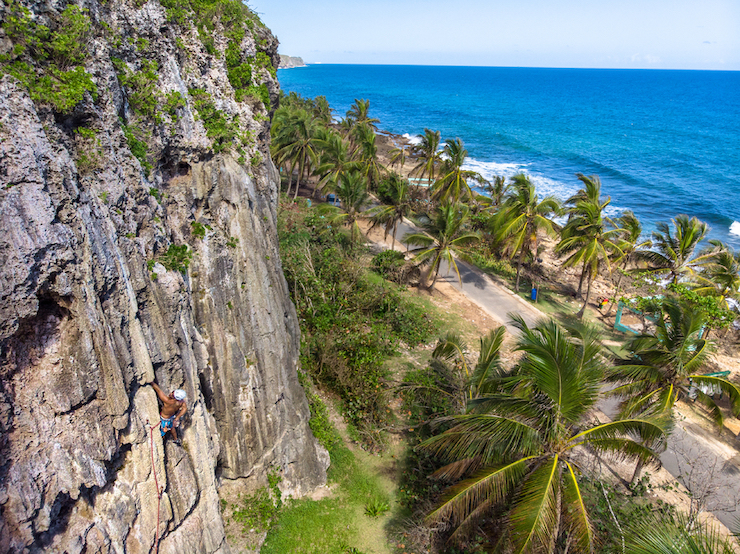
(156, 483)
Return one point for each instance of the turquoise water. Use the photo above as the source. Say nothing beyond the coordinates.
(662, 142)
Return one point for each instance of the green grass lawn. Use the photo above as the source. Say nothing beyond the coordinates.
(339, 524)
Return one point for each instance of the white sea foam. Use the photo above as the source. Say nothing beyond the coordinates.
(412, 139)
(735, 228)
(545, 186)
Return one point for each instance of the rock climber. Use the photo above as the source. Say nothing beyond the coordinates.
(173, 408)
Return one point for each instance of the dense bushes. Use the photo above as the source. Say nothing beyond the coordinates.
(351, 320)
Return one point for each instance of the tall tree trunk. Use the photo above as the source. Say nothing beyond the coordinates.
(636, 474)
(300, 174)
(519, 263)
(290, 177)
(588, 294)
(434, 273)
(580, 281)
(616, 292)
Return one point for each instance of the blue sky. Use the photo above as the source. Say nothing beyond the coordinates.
(658, 34)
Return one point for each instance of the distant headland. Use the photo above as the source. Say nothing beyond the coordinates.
(287, 62)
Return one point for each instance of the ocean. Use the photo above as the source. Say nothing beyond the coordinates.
(662, 142)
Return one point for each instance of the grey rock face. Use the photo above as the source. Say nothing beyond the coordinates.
(289, 62)
(86, 321)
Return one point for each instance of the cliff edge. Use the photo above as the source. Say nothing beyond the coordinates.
(138, 241)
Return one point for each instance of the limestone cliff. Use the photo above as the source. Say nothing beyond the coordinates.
(138, 241)
(289, 62)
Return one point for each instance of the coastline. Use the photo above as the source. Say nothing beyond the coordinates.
(657, 154)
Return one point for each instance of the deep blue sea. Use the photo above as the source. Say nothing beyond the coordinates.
(662, 142)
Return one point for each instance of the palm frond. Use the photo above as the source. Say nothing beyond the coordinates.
(727, 387)
(576, 514)
(486, 436)
(534, 516)
(491, 485)
(648, 430)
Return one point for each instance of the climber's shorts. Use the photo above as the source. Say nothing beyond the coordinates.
(165, 424)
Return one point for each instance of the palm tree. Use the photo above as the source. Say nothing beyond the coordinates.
(358, 114)
(497, 190)
(322, 110)
(428, 153)
(673, 251)
(488, 368)
(452, 185)
(521, 218)
(371, 166)
(630, 246)
(586, 239)
(519, 446)
(441, 234)
(398, 156)
(335, 160)
(663, 366)
(295, 144)
(721, 275)
(352, 192)
(400, 204)
(683, 536)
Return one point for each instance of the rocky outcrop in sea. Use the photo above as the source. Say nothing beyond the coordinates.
(138, 242)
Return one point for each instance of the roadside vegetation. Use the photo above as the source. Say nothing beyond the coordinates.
(498, 443)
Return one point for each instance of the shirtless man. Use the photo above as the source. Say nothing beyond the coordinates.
(173, 408)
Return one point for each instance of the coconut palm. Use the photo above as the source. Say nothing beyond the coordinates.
(497, 190)
(521, 218)
(673, 251)
(631, 247)
(358, 114)
(322, 110)
(488, 368)
(452, 184)
(665, 366)
(518, 448)
(295, 144)
(682, 536)
(398, 156)
(721, 275)
(352, 192)
(428, 154)
(368, 156)
(586, 240)
(335, 160)
(399, 206)
(442, 233)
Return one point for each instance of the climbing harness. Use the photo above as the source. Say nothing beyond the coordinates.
(156, 482)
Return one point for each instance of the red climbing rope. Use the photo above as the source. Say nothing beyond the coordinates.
(156, 483)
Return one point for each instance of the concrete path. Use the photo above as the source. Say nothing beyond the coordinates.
(494, 299)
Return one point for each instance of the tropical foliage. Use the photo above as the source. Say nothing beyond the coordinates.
(516, 445)
(666, 366)
(442, 233)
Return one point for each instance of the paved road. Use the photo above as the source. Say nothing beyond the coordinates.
(492, 298)
(694, 456)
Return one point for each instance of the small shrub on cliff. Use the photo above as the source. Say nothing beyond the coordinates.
(221, 128)
(177, 258)
(49, 63)
(140, 85)
(138, 147)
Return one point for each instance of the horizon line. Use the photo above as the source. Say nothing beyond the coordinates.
(512, 66)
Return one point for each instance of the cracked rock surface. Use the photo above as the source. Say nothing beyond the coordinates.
(89, 312)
